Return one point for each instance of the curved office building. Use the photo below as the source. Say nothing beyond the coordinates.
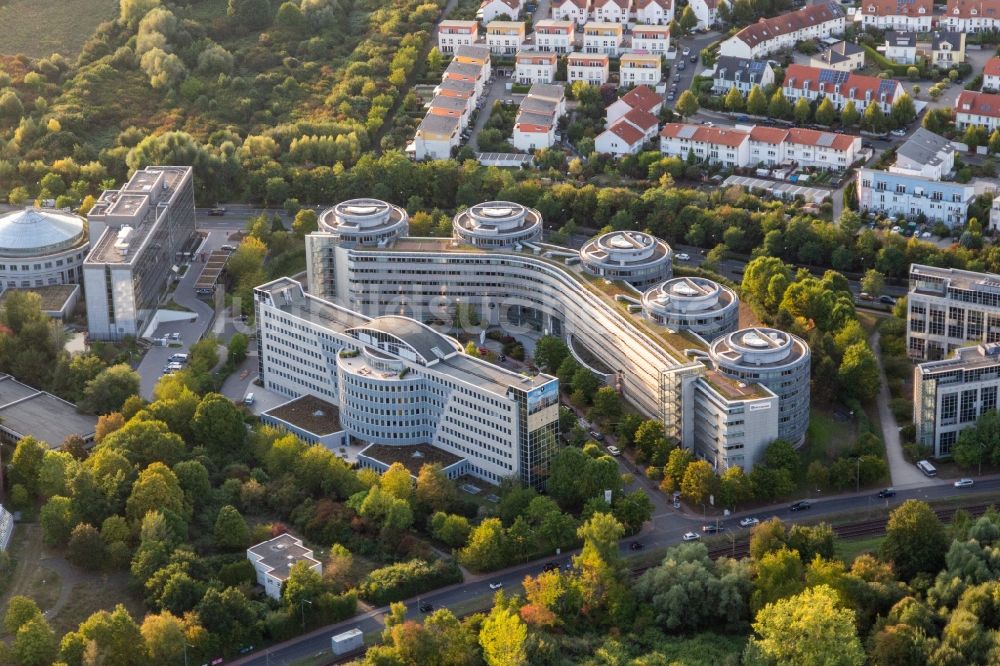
(775, 359)
(693, 304)
(366, 222)
(39, 247)
(633, 256)
(497, 224)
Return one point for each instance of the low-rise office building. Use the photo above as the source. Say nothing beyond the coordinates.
(41, 247)
(554, 36)
(590, 68)
(273, 561)
(951, 394)
(497, 224)
(631, 256)
(651, 39)
(949, 308)
(768, 35)
(452, 34)
(693, 304)
(138, 234)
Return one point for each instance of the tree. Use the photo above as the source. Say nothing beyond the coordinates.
(915, 540)
(58, 520)
(108, 391)
(734, 487)
(873, 282)
(994, 142)
(434, 489)
(903, 111)
(779, 106)
(550, 352)
(55, 472)
(435, 61)
(698, 482)
(237, 348)
(130, 12)
(231, 531)
(825, 113)
(397, 482)
(688, 21)
(144, 442)
(35, 643)
(874, 119)
(633, 510)
(756, 102)
(503, 638)
(687, 104)
(599, 561)
(289, 19)
(86, 547)
(734, 100)
(451, 529)
(677, 463)
(164, 635)
(218, 425)
(858, 374)
(26, 463)
(607, 405)
(807, 630)
(488, 547)
(849, 115)
(20, 611)
(802, 111)
(980, 443)
(306, 221)
(251, 14)
(156, 489)
(303, 584)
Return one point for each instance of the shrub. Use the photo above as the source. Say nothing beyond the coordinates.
(405, 579)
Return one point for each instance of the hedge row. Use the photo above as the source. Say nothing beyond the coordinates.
(406, 579)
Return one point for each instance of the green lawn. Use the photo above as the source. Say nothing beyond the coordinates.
(848, 550)
(826, 436)
(39, 28)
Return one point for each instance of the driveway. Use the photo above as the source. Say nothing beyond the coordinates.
(496, 90)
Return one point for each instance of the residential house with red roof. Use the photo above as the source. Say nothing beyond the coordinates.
(452, 34)
(491, 10)
(840, 87)
(577, 11)
(970, 15)
(772, 34)
(642, 98)
(991, 74)
(627, 135)
(612, 11)
(760, 145)
(653, 12)
(651, 38)
(898, 15)
(977, 108)
(714, 145)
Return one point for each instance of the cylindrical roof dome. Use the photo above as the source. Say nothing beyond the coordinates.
(497, 224)
(365, 221)
(693, 303)
(34, 232)
(633, 256)
(754, 347)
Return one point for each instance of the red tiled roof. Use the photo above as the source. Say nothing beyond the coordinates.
(582, 4)
(988, 9)
(536, 58)
(808, 16)
(810, 137)
(772, 135)
(992, 67)
(853, 87)
(629, 134)
(624, 4)
(528, 128)
(588, 59)
(641, 119)
(714, 135)
(978, 103)
(642, 97)
(897, 8)
(642, 4)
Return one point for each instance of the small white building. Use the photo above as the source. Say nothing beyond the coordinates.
(591, 68)
(273, 561)
(535, 67)
(842, 56)
(653, 12)
(651, 39)
(612, 11)
(491, 10)
(452, 34)
(436, 136)
(577, 11)
(706, 11)
(901, 47)
(925, 154)
(640, 68)
(603, 38)
(977, 108)
(554, 36)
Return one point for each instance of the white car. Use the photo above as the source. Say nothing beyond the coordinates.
(682, 256)
(496, 586)
(614, 450)
(925, 234)
(686, 51)
(898, 132)
(749, 522)
(691, 536)
(963, 483)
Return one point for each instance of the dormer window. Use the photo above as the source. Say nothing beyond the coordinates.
(956, 11)
(921, 10)
(973, 12)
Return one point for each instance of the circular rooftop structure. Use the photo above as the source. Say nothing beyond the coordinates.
(34, 232)
(775, 359)
(693, 304)
(367, 222)
(498, 224)
(636, 257)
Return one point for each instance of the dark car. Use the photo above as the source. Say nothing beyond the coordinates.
(426, 607)
(800, 506)
(550, 566)
(712, 528)
(693, 58)
(887, 492)
(217, 212)
(889, 300)
(635, 545)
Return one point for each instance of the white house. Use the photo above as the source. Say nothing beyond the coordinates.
(653, 12)
(911, 16)
(627, 135)
(505, 37)
(534, 131)
(451, 107)
(602, 38)
(555, 36)
(706, 11)
(977, 108)
(436, 136)
(914, 196)
(991, 74)
(970, 16)
(611, 11)
(641, 98)
(467, 72)
(715, 145)
(840, 87)
(947, 49)
(783, 32)
(844, 56)
(577, 11)
(491, 10)
(640, 68)
(452, 34)
(273, 561)
(825, 150)
(901, 47)
(740, 73)
(535, 67)
(925, 154)
(590, 67)
(651, 38)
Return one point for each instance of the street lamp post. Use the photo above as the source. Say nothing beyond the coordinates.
(858, 489)
(302, 606)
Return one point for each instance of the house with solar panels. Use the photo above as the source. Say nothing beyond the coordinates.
(977, 108)
(902, 15)
(839, 87)
(740, 73)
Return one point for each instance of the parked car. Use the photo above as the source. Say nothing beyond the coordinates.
(248, 400)
(596, 436)
(426, 607)
(801, 505)
(228, 248)
(550, 566)
(635, 545)
(865, 296)
(749, 522)
(496, 585)
(682, 256)
(693, 58)
(887, 492)
(687, 51)
(691, 536)
(898, 132)
(964, 483)
(887, 300)
(614, 450)
(712, 528)
(670, 97)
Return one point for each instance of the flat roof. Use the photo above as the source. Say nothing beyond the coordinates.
(54, 296)
(26, 411)
(281, 553)
(424, 340)
(411, 456)
(309, 413)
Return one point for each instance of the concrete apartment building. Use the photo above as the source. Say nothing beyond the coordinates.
(768, 35)
(603, 38)
(911, 16)
(640, 69)
(949, 308)
(651, 39)
(553, 36)
(452, 34)
(951, 394)
(137, 235)
(273, 561)
(591, 68)
(543, 287)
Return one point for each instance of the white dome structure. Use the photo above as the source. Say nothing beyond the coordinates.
(633, 256)
(365, 222)
(498, 224)
(40, 247)
(694, 304)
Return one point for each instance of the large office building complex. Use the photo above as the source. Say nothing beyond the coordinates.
(41, 247)
(950, 394)
(950, 308)
(646, 340)
(137, 236)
